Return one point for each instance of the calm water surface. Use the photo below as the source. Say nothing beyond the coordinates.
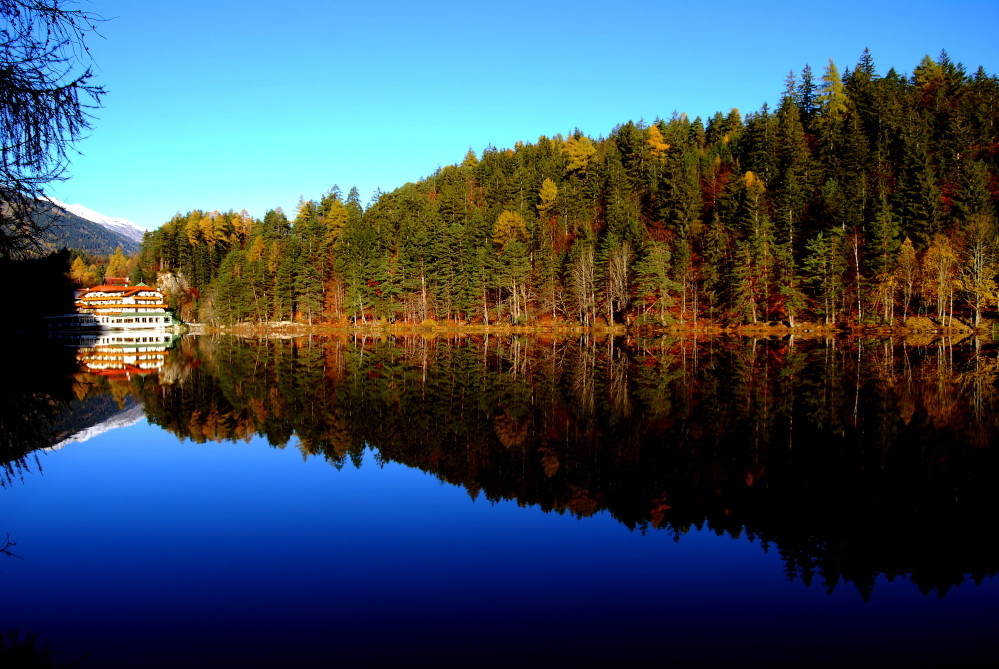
(504, 502)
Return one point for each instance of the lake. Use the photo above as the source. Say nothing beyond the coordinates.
(501, 501)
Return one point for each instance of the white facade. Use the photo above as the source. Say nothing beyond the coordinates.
(118, 307)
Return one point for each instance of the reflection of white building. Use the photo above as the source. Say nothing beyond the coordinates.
(123, 354)
(117, 306)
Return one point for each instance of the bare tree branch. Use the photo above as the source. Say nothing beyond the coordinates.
(6, 546)
(46, 100)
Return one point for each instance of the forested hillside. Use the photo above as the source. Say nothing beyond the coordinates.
(861, 198)
(64, 229)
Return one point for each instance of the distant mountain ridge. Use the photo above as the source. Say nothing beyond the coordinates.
(122, 226)
(77, 227)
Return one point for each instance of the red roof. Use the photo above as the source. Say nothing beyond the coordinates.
(124, 290)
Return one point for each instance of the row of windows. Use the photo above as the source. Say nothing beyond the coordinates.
(133, 339)
(142, 319)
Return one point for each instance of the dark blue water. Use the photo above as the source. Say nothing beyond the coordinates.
(139, 548)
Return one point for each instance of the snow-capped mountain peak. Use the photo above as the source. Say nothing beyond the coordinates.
(122, 226)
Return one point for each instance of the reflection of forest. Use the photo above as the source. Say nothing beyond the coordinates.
(851, 458)
(47, 398)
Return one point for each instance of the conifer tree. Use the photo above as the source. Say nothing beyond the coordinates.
(655, 285)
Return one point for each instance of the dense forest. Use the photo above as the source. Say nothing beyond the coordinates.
(861, 199)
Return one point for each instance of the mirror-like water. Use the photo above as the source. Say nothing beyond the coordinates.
(501, 501)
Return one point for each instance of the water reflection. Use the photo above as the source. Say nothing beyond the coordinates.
(122, 354)
(37, 392)
(851, 458)
(70, 389)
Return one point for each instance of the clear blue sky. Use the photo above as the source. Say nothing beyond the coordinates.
(219, 104)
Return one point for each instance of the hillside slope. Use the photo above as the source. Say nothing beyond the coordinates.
(72, 230)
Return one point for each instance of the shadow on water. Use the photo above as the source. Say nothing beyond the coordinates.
(852, 459)
(37, 393)
(26, 651)
(52, 397)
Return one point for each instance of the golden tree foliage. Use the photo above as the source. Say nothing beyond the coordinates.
(885, 286)
(546, 196)
(306, 209)
(117, 264)
(658, 145)
(274, 255)
(81, 388)
(257, 247)
(833, 98)
(241, 226)
(223, 228)
(81, 274)
(940, 266)
(207, 227)
(77, 270)
(193, 227)
(120, 391)
(979, 264)
(509, 226)
(334, 221)
(549, 461)
(907, 271)
(579, 150)
(511, 432)
(753, 183)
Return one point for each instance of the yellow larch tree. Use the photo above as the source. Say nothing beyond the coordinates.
(509, 226)
(117, 264)
(78, 272)
(546, 197)
(579, 151)
(656, 141)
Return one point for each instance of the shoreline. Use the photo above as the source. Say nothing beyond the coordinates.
(914, 327)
